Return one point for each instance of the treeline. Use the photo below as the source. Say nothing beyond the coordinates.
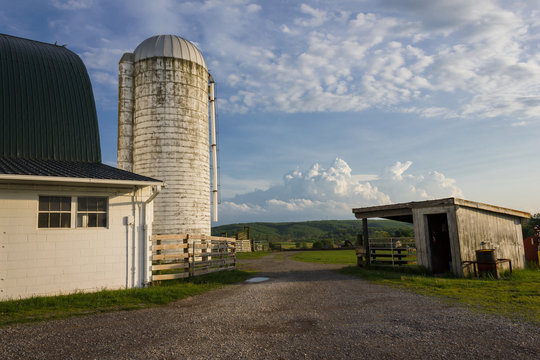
(530, 224)
(336, 231)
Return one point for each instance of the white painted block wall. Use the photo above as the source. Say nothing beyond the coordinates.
(36, 261)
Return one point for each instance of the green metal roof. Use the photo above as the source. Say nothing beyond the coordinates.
(47, 108)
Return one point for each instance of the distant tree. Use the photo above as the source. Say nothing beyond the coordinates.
(529, 225)
(380, 234)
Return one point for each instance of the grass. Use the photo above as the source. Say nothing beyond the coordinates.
(63, 306)
(516, 295)
(251, 255)
(327, 257)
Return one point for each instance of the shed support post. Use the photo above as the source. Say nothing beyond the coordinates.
(366, 240)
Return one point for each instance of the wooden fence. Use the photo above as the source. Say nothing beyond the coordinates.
(180, 256)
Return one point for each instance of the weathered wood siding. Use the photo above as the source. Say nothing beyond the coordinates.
(502, 232)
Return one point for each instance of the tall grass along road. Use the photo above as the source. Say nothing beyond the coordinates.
(303, 311)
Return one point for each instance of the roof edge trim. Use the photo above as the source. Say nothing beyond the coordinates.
(49, 179)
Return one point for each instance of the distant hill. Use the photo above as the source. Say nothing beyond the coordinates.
(308, 231)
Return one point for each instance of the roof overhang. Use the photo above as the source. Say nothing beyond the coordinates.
(403, 211)
(60, 180)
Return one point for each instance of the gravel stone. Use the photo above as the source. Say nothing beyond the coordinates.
(304, 311)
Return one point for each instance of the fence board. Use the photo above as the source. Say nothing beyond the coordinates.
(170, 266)
(169, 256)
(211, 262)
(169, 246)
(184, 255)
(169, 237)
(170, 276)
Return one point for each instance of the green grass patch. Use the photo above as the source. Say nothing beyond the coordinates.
(516, 295)
(56, 307)
(251, 255)
(327, 256)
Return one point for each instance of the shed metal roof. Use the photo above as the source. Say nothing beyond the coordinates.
(47, 109)
(404, 210)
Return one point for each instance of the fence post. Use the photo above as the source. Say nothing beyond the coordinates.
(158, 242)
(191, 256)
(366, 240)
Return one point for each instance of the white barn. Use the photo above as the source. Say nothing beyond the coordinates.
(67, 222)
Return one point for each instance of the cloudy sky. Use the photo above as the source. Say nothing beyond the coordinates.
(329, 105)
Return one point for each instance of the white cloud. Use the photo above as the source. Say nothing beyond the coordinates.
(73, 4)
(317, 17)
(331, 193)
(319, 57)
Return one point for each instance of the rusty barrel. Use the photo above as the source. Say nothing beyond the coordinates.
(487, 262)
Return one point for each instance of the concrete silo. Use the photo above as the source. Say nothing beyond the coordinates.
(163, 129)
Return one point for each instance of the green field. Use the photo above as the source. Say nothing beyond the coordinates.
(327, 256)
(56, 307)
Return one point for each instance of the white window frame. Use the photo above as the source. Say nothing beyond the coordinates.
(85, 219)
(74, 211)
(49, 212)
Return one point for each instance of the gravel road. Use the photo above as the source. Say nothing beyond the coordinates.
(304, 311)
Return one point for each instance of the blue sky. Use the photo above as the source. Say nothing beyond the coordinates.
(329, 105)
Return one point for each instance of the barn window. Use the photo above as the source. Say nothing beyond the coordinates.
(54, 212)
(92, 212)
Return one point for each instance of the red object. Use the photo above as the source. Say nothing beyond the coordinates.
(531, 250)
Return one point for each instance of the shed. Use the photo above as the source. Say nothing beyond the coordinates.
(68, 222)
(449, 231)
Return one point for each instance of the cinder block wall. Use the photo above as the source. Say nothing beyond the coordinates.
(36, 261)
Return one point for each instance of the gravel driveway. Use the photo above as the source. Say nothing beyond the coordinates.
(304, 311)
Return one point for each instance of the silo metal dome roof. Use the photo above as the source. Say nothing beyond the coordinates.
(169, 46)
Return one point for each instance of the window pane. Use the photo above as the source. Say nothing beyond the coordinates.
(82, 204)
(92, 220)
(102, 220)
(65, 220)
(54, 220)
(43, 203)
(55, 203)
(101, 204)
(65, 203)
(92, 204)
(43, 220)
(82, 220)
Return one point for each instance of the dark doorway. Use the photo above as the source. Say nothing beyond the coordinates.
(439, 243)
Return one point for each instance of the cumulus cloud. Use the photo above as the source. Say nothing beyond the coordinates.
(404, 56)
(331, 193)
(73, 4)
(365, 60)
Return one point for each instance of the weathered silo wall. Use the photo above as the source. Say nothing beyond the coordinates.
(170, 132)
(125, 112)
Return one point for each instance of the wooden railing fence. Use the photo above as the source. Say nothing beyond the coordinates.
(183, 255)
